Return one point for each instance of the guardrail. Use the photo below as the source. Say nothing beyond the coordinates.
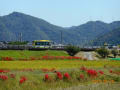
(30, 47)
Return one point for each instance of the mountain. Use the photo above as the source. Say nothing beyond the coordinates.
(112, 37)
(33, 28)
(93, 29)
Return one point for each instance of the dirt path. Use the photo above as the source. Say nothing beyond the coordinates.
(88, 55)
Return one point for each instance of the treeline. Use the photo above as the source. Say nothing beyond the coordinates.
(18, 43)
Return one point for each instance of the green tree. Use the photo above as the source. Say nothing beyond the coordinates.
(72, 50)
(114, 52)
(103, 52)
(18, 43)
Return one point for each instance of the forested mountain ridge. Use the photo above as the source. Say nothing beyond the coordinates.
(112, 37)
(33, 28)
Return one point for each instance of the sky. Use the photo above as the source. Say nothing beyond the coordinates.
(65, 13)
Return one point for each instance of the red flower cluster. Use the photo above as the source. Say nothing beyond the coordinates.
(101, 72)
(111, 71)
(91, 72)
(83, 68)
(32, 58)
(3, 71)
(7, 58)
(23, 79)
(61, 57)
(3, 77)
(12, 75)
(81, 76)
(66, 76)
(59, 75)
(47, 78)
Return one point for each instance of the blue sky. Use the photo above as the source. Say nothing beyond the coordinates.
(65, 13)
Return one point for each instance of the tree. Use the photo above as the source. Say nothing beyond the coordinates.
(103, 52)
(72, 50)
(114, 52)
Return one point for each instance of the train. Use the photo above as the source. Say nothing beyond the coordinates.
(42, 43)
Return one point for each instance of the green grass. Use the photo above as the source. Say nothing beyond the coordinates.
(35, 78)
(58, 64)
(99, 86)
(26, 54)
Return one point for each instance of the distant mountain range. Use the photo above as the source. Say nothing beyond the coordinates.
(112, 37)
(33, 28)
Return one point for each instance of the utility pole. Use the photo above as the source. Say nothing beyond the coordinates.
(61, 38)
(20, 37)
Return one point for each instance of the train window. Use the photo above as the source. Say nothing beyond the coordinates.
(42, 43)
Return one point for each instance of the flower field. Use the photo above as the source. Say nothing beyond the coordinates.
(58, 72)
(56, 79)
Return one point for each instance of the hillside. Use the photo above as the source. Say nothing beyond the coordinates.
(33, 28)
(112, 37)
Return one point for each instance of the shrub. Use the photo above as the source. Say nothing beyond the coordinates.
(103, 52)
(72, 50)
(114, 52)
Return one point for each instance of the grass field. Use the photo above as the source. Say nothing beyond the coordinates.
(58, 64)
(33, 73)
(27, 54)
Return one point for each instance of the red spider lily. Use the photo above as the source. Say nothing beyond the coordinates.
(91, 72)
(3, 71)
(45, 57)
(7, 58)
(3, 77)
(23, 79)
(83, 68)
(12, 75)
(62, 57)
(110, 71)
(81, 76)
(32, 58)
(59, 75)
(76, 57)
(69, 57)
(46, 76)
(101, 72)
(59, 57)
(66, 76)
